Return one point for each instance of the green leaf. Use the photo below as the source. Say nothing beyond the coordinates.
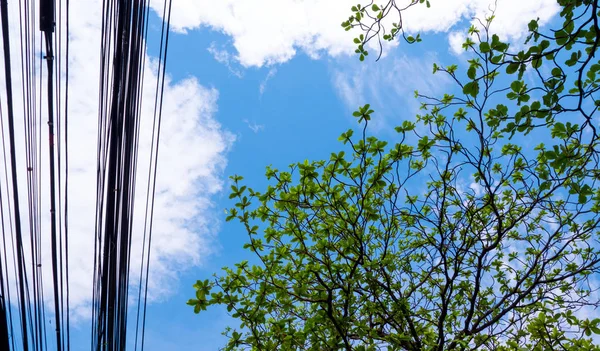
(471, 72)
(533, 25)
(471, 88)
(556, 72)
(512, 67)
(484, 47)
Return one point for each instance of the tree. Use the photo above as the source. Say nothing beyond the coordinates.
(457, 236)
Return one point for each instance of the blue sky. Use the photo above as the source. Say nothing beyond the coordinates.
(298, 116)
(284, 112)
(252, 83)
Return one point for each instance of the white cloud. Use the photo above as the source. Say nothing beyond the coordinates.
(511, 16)
(266, 32)
(192, 157)
(456, 39)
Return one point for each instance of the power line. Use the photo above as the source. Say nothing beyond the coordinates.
(121, 82)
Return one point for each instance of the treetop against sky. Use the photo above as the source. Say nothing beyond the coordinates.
(400, 175)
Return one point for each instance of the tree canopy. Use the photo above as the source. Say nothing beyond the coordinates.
(477, 228)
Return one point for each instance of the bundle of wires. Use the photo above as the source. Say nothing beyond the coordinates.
(41, 94)
(124, 28)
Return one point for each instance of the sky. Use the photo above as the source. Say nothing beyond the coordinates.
(251, 83)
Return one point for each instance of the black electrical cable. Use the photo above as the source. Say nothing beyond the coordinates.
(53, 225)
(122, 68)
(67, 327)
(4, 336)
(4, 232)
(154, 156)
(124, 28)
(28, 94)
(11, 132)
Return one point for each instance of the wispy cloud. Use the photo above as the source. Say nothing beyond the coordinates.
(226, 58)
(263, 84)
(388, 85)
(255, 127)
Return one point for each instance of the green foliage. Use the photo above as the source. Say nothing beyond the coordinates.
(363, 113)
(459, 235)
(369, 18)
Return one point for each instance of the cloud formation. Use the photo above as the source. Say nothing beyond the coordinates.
(266, 32)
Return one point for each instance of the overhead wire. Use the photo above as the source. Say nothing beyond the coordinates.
(11, 132)
(66, 202)
(6, 326)
(152, 171)
(6, 232)
(28, 271)
(121, 83)
(120, 118)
